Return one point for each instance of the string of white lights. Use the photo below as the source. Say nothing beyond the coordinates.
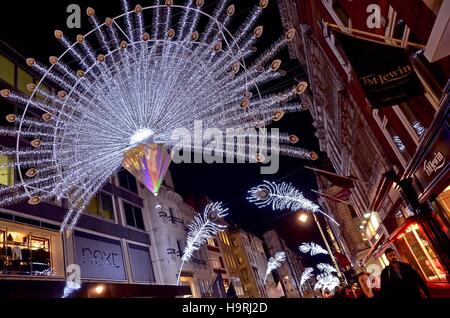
(203, 227)
(274, 263)
(134, 79)
(283, 196)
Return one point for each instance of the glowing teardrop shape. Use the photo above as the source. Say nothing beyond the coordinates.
(149, 164)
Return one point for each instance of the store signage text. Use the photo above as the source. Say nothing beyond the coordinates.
(435, 161)
(100, 258)
(394, 75)
(433, 165)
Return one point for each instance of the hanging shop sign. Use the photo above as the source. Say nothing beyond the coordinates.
(436, 161)
(385, 72)
(99, 257)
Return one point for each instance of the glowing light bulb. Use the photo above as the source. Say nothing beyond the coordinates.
(140, 136)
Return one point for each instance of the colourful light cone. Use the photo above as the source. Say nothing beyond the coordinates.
(149, 164)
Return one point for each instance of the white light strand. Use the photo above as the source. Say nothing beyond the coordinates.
(70, 288)
(312, 248)
(306, 275)
(202, 228)
(326, 282)
(283, 196)
(326, 268)
(121, 86)
(274, 263)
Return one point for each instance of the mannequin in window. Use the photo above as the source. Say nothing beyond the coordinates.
(16, 253)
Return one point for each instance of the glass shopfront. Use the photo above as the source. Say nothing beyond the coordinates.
(25, 250)
(441, 206)
(417, 250)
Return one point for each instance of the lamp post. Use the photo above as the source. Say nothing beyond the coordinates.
(303, 218)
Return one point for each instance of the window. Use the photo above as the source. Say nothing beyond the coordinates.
(244, 275)
(211, 242)
(127, 181)
(222, 265)
(7, 73)
(398, 142)
(44, 88)
(352, 211)
(215, 261)
(419, 252)
(417, 116)
(102, 205)
(224, 238)
(23, 79)
(6, 172)
(180, 249)
(133, 216)
(341, 13)
(24, 253)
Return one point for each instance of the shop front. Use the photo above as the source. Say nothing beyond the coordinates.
(431, 176)
(425, 238)
(30, 250)
(414, 246)
(418, 228)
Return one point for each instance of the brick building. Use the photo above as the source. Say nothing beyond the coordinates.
(398, 203)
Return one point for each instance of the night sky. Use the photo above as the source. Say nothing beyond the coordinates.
(28, 27)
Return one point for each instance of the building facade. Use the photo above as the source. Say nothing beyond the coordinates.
(169, 217)
(251, 259)
(117, 240)
(224, 262)
(291, 270)
(396, 152)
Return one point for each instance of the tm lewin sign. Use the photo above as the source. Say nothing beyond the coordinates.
(385, 72)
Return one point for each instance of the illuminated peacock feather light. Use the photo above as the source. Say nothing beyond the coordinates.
(126, 85)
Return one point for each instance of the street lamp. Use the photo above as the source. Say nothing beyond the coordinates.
(303, 218)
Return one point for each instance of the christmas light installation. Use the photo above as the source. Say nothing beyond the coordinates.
(326, 268)
(274, 263)
(201, 229)
(326, 282)
(126, 85)
(70, 288)
(306, 275)
(282, 196)
(312, 248)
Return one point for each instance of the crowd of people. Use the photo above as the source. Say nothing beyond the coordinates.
(398, 280)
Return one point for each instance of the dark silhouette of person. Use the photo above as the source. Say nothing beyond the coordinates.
(400, 280)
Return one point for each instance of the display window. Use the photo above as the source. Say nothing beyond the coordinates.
(416, 248)
(441, 207)
(25, 250)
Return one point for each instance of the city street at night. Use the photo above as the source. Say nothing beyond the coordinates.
(225, 153)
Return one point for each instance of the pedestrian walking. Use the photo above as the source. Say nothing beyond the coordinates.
(400, 280)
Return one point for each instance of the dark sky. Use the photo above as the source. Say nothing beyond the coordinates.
(28, 27)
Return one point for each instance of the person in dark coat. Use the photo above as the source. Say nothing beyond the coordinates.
(400, 280)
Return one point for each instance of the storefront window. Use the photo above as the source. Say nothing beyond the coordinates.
(24, 251)
(420, 254)
(444, 202)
